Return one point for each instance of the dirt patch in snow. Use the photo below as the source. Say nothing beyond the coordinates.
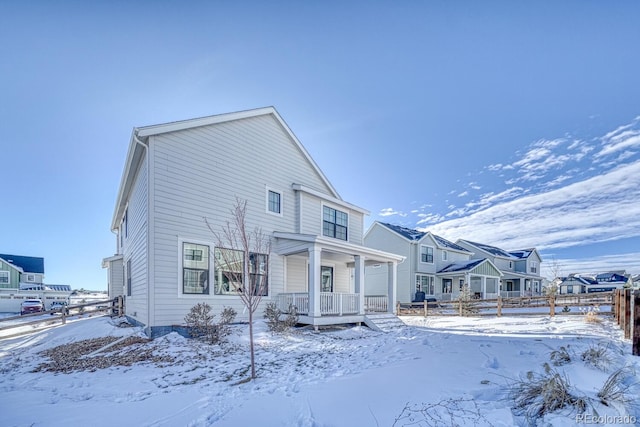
(75, 356)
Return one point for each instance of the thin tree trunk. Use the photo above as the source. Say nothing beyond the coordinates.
(253, 357)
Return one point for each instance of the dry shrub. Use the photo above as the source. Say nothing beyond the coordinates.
(591, 314)
(539, 394)
(201, 324)
(597, 356)
(447, 412)
(275, 320)
(561, 356)
(616, 387)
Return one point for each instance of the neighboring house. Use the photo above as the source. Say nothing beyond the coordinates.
(178, 174)
(636, 281)
(18, 269)
(612, 277)
(520, 268)
(575, 284)
(433, 265)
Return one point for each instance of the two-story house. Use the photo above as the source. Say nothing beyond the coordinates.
(434, 265)
(520, 268)
(182, 175)
(20, 269)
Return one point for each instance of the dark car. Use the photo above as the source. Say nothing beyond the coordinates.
(31, 306)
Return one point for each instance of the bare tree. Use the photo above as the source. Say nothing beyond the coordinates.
(242, 257)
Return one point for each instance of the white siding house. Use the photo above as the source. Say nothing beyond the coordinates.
(179, 176)
(520, 268)
(434, 266)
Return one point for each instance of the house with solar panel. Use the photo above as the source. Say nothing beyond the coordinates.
(22, 277)
(434, 267)
(520, 268)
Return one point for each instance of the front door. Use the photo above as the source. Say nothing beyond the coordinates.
(326, 279)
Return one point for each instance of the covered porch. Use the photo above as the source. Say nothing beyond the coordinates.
(520, 285)
(482, 276)
(324, 279)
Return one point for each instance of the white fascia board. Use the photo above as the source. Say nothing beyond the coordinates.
(15, 267)
(318, 194)
(343, 247)
(126, 180)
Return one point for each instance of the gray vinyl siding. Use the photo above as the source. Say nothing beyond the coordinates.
(197, 174)
(296, 274)
(116, 279)
(311, 217)
(135, 246)
(379, 237)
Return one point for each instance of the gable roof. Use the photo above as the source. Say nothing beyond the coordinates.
(28, 264)
(462, 266)
(470, 266)
(416, 235)
(139, 143)
(493, 250)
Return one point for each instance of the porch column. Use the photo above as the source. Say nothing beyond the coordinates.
(314, 281)
(359, 281)
(484, 287)
(392, 282)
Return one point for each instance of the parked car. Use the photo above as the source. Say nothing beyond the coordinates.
(31, 306)
(61, 306)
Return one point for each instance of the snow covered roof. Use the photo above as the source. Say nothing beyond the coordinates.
(522, 253)
(416, 235)
(408, 233)
(462, 266)
(28, 264)
(495, 251)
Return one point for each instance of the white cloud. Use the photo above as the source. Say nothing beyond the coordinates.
(620, 145)
(390, 212)
(598, 209)
(464, 193)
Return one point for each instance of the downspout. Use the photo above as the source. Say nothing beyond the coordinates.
(146, 154)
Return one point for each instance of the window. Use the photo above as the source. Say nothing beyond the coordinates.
(426, 254)
(129, 278)
(461, 284)
(228, 272)
(444, 255)
(274, 202)
(125, 223)
(570, 289)
(195, 268)
(31, 277)
(326, 276)
(4, 278)
(425, 284)
(447, 285)
(334, 223)
(534, 267)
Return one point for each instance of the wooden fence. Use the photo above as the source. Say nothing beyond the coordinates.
(557, 304)
(626, 310)
(115, 307)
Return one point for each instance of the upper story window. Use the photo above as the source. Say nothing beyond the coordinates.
(334, 223)
(195, 268)
(534, 267)
(4, 277)
(426, 254)
(510, 264)
(274, 202)
(444, 255)
(31, 277)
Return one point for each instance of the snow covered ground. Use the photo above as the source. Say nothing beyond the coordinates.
(450, 366)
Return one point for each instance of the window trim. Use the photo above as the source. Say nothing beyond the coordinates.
(432, 285)
(433, 250)
(180, 272)
(230, 293)
(31, 277)
(322, 221)
(8, 275)
(269, 190)
(445, 256)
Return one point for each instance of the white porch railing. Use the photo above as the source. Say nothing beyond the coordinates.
(376, 303)
(299, 300)
(510, 294)
(331, 303)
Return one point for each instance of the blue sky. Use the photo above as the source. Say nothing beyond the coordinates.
(510, 123)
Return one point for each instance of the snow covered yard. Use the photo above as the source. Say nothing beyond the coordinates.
(342, 377)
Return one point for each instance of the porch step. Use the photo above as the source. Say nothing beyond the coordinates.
(383, 322)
